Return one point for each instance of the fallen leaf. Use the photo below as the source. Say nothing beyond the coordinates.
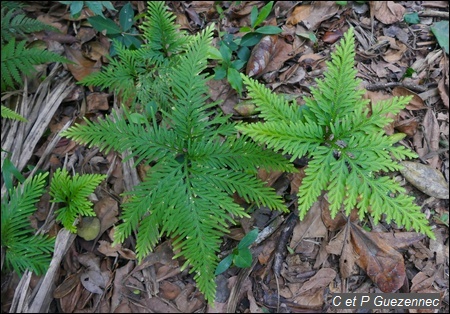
(387, 12)
(169, 290)
(427, 179)
(107, 211)
(407, 126)
(261, 55)
(330, 37)
(310, 227)
(313, 15)
(416, 103)
(82, 66)
(69, 283)
(384, 265)
(299, 14)
(93, 281)
(340, 219)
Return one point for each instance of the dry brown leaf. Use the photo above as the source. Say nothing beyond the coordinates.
(93, 281)
(189, 301)
(169, 290)
(415, 104)
(261, 55)
(340, 219)
(387, 12)
(384, 265)
(312, 15)
(407, 126)
(310, 227)
(107, 211)
(330, 37)
(82, 66)
(67, 286)
(400, 240)
(426, 178)
(299, 14)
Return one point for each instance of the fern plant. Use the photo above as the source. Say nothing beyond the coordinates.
(16, 58)
(345, 141)
(23, 249)
(73, 192)
(141, 75)
(197, 162)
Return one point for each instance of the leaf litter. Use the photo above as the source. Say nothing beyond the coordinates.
(324, 255)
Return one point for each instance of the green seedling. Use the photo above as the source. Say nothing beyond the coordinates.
(241, 255)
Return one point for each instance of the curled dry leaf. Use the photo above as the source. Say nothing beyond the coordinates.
(261, 55)
(93, 281)
(383, 264)
(416, 103)
(82, 66)
(332, 36)
(427, 179)
(387, 12)
(340, 219)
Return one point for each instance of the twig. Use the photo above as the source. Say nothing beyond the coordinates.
(433, 13)
(380, 86)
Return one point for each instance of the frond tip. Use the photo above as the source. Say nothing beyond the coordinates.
(24, 249)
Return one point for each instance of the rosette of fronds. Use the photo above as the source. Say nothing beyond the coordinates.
(345, 141)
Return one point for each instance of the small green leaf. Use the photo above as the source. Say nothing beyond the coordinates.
(126, 16)
(96, 7)
(225, 51)
(412, 18)
(137, 118)
(269, 30)
(131, 41)
(251, 39)
(244, 53)
(224, 265)
(253, 17)
(244, 258)
(263, 14)
(214, 53)
(220, 73)
(409, 72)
(108, 5)
(341, 3)
(235, 80)
(101, 24)
(8, 172)
(248, 239)
(440, 30)
(238, 64)
(245, 29)
(76, 7)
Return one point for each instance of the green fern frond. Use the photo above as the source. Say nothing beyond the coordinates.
(15, 24)
(73, 192)
(9, 114)
(197, 164)
(24, 250)
(161, 33)
(142, 75)
(16, 59)
(346, 143)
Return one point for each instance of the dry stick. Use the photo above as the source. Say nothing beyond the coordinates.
(383, 86)
(433, 13)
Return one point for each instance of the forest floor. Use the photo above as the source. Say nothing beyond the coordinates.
(300, 264)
